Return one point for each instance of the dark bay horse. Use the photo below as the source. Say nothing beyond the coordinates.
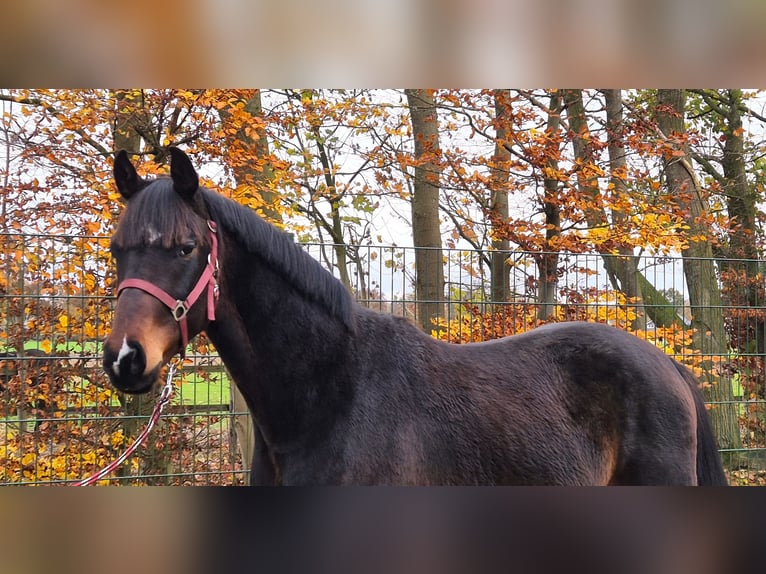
(344, 395)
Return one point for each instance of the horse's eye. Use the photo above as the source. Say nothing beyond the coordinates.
(186, 249)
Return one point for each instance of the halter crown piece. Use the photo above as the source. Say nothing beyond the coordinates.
(179, 308)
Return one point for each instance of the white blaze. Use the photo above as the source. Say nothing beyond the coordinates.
(125, 350)
(154, 236)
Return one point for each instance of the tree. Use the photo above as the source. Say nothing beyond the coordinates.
(498, 209)
(623, 267)
(426, 231)
(704, 294)
(726, 163)
(548, 259)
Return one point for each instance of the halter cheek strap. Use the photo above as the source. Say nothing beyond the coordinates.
(179, 308)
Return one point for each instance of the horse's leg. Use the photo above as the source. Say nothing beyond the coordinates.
(656, 462)
(262, 470)
(653, 472)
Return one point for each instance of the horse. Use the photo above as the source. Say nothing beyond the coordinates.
(341, 394)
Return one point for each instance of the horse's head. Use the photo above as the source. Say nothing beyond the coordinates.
(165, 249)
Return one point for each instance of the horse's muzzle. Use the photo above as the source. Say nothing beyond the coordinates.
(126, 367)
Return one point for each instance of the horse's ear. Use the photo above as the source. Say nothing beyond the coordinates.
(125, 175)
(185, 179)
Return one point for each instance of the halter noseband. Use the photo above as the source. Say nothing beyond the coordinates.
(179, 308)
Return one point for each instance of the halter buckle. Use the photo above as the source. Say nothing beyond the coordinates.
(179, 311)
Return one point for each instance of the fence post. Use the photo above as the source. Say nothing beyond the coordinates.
(242, 431)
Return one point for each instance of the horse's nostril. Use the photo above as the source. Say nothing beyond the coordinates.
(128, 360)
(137, 360)
(125, 363)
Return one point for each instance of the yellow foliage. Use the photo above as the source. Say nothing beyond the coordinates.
(118, 439)
(610, 307)
(88, 457)
(599, 235)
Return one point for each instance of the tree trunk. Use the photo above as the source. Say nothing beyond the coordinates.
(742, 282)
(699, 270)
(426, 232)
(331, 193)
(548, 261)
(741, 279)
(624, 266)
(500, 283)
(257, 171)
(740, 197)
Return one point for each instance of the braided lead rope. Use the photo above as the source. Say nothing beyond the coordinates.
(167, 393)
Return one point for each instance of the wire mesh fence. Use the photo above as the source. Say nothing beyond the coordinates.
(60, 420)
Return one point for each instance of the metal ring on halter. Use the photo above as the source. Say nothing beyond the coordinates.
(180, 310)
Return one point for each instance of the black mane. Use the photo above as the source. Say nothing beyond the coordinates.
(158, 209)
(285, 257)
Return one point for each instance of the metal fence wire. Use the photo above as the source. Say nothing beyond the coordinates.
(60, 420)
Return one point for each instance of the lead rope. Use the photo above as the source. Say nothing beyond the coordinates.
(164, 399)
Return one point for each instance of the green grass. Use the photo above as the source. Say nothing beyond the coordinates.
(68, 348)
(193, 390)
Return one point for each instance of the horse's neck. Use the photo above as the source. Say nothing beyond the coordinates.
(286, 354)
